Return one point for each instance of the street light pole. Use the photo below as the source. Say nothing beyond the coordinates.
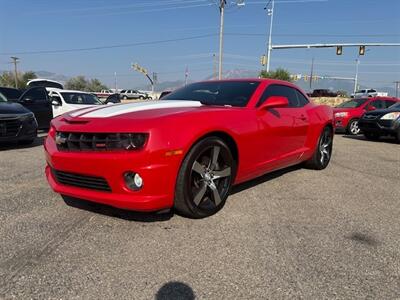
(270, 13)
(221, 37)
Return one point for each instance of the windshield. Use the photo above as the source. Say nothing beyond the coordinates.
(396, 105)
(2, 98)
(234, 93)
(352, 103)
(80, 98)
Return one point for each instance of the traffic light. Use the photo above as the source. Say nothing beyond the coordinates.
(263, 60)
(339, 50)
(362, 50)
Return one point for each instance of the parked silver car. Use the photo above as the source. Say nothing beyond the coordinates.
(134, 94)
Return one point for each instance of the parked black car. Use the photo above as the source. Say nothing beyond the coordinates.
(37, 100)
(323, 93)
(381, 122)
(17, 124)
(10, 93)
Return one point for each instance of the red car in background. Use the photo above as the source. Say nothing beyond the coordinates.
(348, 113)
(186, 150)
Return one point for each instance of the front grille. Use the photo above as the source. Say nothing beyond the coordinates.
(10, 127)
(75, 141)
(370, 117)
(81, 181)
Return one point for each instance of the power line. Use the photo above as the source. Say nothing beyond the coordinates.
(109, 46)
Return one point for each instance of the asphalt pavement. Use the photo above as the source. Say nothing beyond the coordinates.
(295, 233)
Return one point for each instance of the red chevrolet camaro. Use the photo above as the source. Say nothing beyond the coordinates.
(186, 150)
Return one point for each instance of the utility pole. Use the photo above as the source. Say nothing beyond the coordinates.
(222, 4)
(270, 13)
(15, 61)
(356, 77)
(396, 86)
(186, 75)
(311, 73)
(214, 66)
(115, 83)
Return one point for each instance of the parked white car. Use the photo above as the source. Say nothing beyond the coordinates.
(368, 93)
(66, 100)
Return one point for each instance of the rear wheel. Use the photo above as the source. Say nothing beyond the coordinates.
(205, 179)
(353, 128)
(371, 136)
(323, 153)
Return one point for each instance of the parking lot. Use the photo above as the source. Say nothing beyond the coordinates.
(295, 233)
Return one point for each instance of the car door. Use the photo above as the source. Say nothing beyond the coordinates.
(36, 100)
(283, 129)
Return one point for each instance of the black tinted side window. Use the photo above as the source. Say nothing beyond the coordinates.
(36, 94)
(302, 99)
(377, 104)
(280, 90)
(389, 103)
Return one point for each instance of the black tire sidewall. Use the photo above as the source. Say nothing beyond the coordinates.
(183, 201)
(349, 127)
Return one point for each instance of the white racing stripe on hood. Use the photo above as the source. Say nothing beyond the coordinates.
(115, 110)
(79, 112)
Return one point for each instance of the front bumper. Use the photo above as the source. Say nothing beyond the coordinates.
(158, 175)
(379, 126)
(18, 131)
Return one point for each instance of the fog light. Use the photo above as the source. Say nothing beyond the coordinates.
(133, 181)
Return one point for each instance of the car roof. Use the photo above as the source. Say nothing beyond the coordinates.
(68, 91)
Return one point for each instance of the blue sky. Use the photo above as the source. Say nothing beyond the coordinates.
(28, 26)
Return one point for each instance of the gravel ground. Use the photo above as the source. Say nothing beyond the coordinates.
(295, 233)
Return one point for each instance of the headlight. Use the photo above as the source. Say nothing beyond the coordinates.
(28, 116)
(391, 116)
(133, 141)
(341, 114)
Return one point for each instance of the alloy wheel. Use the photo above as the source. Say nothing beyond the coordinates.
(354, 129)
(325, 147)
(210, 177)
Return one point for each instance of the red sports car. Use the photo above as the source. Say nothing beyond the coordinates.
(186, 150)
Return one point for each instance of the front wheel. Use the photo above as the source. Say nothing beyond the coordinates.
(353, 128)
(323, 153)
(124, 98)
(205, 179)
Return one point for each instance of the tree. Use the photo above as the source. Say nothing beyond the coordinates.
(80, 83)
(279, 73)
(7, 79)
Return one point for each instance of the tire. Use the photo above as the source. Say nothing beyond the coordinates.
(141, 98)
(323, 153)
(371, 136)
(352, 127)
(205, 179)
(124, 98)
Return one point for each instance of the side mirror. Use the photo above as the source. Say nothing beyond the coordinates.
(371, 107)
(275, 102)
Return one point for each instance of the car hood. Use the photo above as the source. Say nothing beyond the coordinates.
(12, 108)
(142, 110)
(383, 111)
